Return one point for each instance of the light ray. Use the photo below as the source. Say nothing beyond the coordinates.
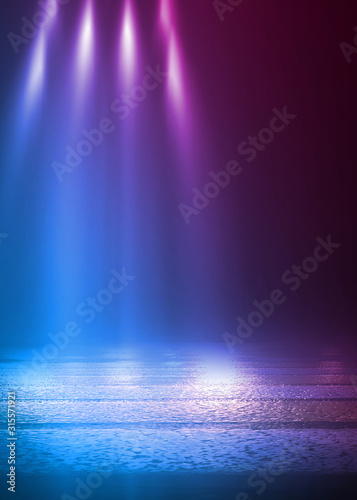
(175, 78)
(165, 16)
(85, 48)
(36, 76)
(127, 46)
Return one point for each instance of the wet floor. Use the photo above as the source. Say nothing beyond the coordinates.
(183, 411)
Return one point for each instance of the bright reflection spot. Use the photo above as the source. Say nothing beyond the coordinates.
(127, 45)
(217, 374)
(35, 79)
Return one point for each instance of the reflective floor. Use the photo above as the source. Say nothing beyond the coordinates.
(183, 411)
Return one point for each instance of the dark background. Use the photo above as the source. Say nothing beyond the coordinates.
(192, 280)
